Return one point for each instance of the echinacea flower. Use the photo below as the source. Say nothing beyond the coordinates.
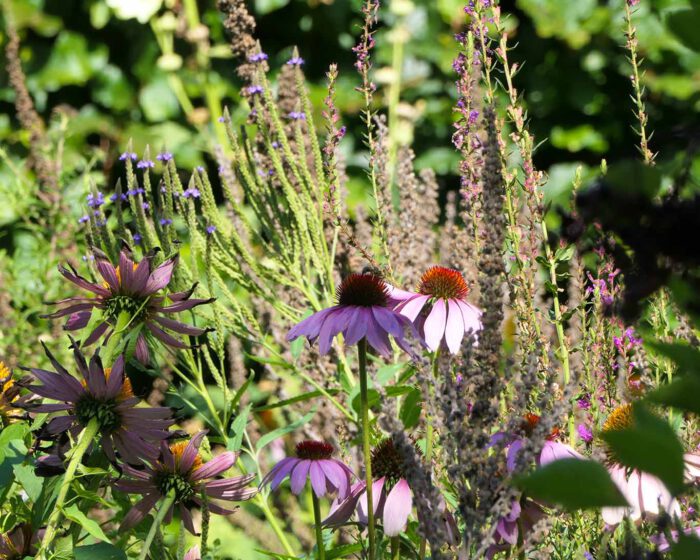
(361, 313)
(391, 496)
(104, 395)
(646, 495)
(135, 290)
(193, 554)
(439, 309)
(180, 470)
(313, 462)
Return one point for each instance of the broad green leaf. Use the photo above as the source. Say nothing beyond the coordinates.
(279, 432)
(686, 358)
(101, 551)
(411, 409)
(650, 445)
(31, 483)
(687, 548)
(682, 394)
(90, 525)
(573, 484)
(235, 435)
(684, 24)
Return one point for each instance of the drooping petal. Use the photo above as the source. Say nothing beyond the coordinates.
(553, 451)
(512, 455)
(341, 510)
(298, 477)
(282, 470)
(139, 511)
(164, 337)
(471, 315)
(60, 424)
(97, 332)
(141, 349)
(454, 328)
(434, 328)
(413, 307)
(378, 498)
(78, 320)
(178, 327)
(215, 467)
(318, 479)
(614, 515)
(387, 320)
(377, 338)
(309, 327)
(187, 521)
(397, 508)
(332, 325)
(160, 277)
(357, 326)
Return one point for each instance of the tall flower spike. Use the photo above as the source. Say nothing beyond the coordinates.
(180, 470)
(136, 289)
(443, 292)
(103, 394)
(361, 313)
(313, 462)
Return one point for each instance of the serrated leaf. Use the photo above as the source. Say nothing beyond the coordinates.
(279, 432)
(90, 525)
(573, 484)
(651, 446)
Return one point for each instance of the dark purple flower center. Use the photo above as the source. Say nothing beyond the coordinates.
(443, 283)
(104, 411)
(116, 305)
(167, 482)
(314, 450)
(387, 462)
(365, 290)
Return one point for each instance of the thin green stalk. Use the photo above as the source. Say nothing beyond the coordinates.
(395, 548)
(429, 436)
(165, 505)
(320, 551)
(270, 517)
(364, 403)
(84, 441)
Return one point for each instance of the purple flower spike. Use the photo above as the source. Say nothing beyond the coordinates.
(128, 155)
(297, 116)
(314, 463)
(102, 394)
(255, 90)
(135, 289)
(83, 219)
(295, 61)
(95, 201)
(451, 316)
(165, 222)
(361, 313)
(258, 57)
(164, 156)
(145, 164)
(180, 470)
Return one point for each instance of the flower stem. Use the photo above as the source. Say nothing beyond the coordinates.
(321, 552)
(429, 442)
(162, 511)
(275, 526)
(362, 359)
(76, 456)
(395, 549)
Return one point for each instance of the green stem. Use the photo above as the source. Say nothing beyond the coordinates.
(395, 549)
(429, 432)
(364, 403)
(165, 505)
(321, 552)
(84, 441)
(269, 516)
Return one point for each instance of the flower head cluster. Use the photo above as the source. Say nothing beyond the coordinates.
(181, 473)
(95, 201)
(102, 395)
(131, 291)
(10, 399)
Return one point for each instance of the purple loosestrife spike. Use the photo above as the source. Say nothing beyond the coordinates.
(313, 462)
(135, 288)
(443, 291)
(180, 470)
(362, 312)
(102, 394)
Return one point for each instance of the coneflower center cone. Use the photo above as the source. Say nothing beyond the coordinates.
(387, 462)
(314, 450)
(620, 418)
(364, 290)
(444, 283)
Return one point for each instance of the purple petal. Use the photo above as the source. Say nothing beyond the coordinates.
(512, 455)
(78, 320)
(184, 305)
(413, 307)
(96, 333)
(60, 424)
(126, 272)
(298, 477)
(278, 472)
(309, 327)
(58, 386)
(160, 277)
(357, 325)
(387, 320)
(318, 479)
(471, 315)
(553, 451)
(378, 499)
(397, 508)
(434, 328)
(78, 280)
(96, 381)
(215, 467)
(139, 511)
(140, 276)
(341, 510)
(141, 350)
(377, 337)
(164, 337)
(116, 377)
(108, 272)
(454, 328)
(190, 452)
(332, 325)
(178, 327)
(186, 517)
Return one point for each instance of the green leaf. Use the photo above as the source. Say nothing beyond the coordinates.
(681, 394)
(573, 484)
(687, 548)
(31, 483)
(564, 254)
(684, 24)
(686, 358)
(267, 6)
(650, 445)
(158, 100)
(279, 432)
(90, 525)
(411, 409)
(235, 435)
(102, 551)
(299, 398)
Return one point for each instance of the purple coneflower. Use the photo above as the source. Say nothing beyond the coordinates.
(130, 289)
(361, 313)
(451, 316)
(181, 473)
(313, 462)
(105, 396)
(645, 493)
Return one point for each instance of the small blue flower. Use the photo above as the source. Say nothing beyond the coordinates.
(259, 57)
(297, 116)
(295, 61)
(211, 230)
(128, 155)
(255, 90)
(164, 156)
(145, 163)
(145, 205)
(84, 219)
(166, 221)
(137, 239)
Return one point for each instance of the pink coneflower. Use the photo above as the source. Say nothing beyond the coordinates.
(313, 462)
(443, 291)
(103, 395)
(646, 495)
(361, 313)
(180, 472)
(130, 289)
